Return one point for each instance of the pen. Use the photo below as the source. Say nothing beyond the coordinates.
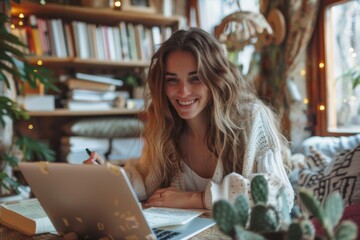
(89, 153)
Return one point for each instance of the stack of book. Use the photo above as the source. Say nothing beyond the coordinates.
(125, 41)
(94, 92)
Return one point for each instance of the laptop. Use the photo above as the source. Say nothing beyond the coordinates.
(97, 201)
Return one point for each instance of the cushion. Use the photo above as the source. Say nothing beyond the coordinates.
(120, 127)
(330, 146)
(341, 174)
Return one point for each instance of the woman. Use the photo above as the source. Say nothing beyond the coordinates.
(206, 132)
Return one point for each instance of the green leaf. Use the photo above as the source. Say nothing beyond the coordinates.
(333, 208)
(11, 109)
(12, 160)
(311, 203)
(346, 230)
(242, 209)
(4, 78)
(224, 214)
(34, 149)
(259, 189)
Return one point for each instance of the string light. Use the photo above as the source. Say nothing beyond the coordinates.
(21, 23)
(12, 26)
(117, 4)
(39, 62)
(306, 101)
(21, 15)
(321, 65)
(303, 72)
(321, 107)
(30, 127)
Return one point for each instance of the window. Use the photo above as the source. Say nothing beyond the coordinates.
(343, 66)
(336, 102)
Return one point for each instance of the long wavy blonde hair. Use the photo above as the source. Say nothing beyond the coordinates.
(230, 97)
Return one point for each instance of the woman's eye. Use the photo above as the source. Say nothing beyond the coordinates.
(171, 80)
(194, 79)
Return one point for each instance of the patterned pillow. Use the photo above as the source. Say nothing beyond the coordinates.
(341, 174)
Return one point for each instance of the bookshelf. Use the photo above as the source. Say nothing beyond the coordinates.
(66, 112)
(47, 125)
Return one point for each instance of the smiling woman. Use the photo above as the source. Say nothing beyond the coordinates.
(206, 133)
(187, 94)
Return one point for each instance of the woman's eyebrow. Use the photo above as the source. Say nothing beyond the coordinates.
(169, 73)
(192, 73)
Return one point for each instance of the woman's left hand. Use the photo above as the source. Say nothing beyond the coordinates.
(174, 198)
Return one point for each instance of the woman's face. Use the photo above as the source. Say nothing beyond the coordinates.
(186, 92)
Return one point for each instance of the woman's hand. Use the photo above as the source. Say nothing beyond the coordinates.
(175, 198)
(94, 158)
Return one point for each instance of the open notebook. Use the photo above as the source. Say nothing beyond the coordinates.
(96, 201)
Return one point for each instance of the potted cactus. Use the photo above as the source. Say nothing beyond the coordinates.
(265, 221)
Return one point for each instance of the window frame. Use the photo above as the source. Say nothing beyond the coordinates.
(316, 77)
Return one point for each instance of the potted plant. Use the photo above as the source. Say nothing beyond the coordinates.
(265, 221)
(15, 71)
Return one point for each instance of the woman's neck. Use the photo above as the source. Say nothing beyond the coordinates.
(197, 127)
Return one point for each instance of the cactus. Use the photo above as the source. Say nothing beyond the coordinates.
(329, 215)
(259, 189)
(225, 215)
(242, 209)
(264, 219)
(240, 221)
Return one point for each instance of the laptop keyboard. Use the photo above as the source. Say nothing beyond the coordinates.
(164, 234)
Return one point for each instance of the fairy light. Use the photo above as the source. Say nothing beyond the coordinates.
(354, 55)
(306, 100)
(117, 4)
(35, 71)
(39, 62)
(321, 107)
(12, 26)
(321, 65)
(303, 72)
(351, 50)
(30, 127)
(21, 15)
(21, 23)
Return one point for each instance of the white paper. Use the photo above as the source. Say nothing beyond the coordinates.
(161, 217)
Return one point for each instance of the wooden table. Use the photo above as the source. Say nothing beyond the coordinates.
(9, 234)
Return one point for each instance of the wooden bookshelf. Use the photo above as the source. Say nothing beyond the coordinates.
(66, 112)
(49, 125)
(73, 62)
(93, 15)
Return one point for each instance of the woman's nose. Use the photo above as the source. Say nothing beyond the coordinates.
(184, 89)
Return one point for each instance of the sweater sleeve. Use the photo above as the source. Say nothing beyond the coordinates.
(135, 178)
(235, 184)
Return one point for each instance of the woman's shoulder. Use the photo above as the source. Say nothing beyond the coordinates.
(257, 109)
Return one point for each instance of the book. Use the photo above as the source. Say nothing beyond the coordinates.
(88, 106)
(163, 217)
(87, 95)
(26, 216)
(99, 78)
(74, 83)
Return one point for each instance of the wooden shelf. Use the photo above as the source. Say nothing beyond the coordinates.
(67, 112)
(93, 15)
(78, 62)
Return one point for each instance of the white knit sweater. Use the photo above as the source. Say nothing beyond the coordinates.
(262, 156)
